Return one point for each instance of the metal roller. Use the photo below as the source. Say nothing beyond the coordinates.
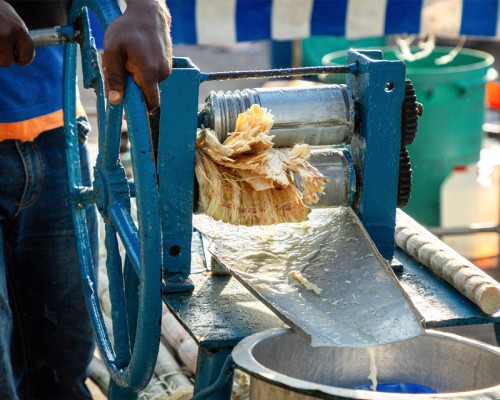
(318, 115)
(337, 166)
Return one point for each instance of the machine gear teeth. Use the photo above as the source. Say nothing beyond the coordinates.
(411, 111)
(405, 178)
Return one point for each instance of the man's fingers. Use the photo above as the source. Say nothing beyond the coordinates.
(24, 50)
(6, 54)
(151, 88)
(147, 77)
(15, 43)
(151, 95)
(114, 75)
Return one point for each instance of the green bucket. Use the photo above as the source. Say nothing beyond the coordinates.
(450, 131)
(315, 47)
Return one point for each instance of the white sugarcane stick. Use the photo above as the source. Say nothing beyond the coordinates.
(99, 374)
(169, 370)
(166, 368)
(464, 276)
(171, 329)
(179, 339)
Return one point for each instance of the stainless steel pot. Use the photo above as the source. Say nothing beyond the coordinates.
(283, 365)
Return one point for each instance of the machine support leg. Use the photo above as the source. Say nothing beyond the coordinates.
(118, 393)
(210, 364)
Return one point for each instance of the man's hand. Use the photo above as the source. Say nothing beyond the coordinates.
(15, 42)
(138, 42)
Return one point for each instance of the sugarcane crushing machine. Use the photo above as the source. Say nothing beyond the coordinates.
(361, 130)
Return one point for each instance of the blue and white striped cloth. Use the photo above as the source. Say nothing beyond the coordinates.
(224, 22)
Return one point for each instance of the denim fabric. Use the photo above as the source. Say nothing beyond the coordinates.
(46, 339)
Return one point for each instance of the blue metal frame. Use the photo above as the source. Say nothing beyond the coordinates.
(214, 374)
(375, 153)
(176, 158)
(135, 316)
(216, 367)
(377, 87)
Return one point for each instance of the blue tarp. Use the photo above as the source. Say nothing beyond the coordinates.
(230, 21)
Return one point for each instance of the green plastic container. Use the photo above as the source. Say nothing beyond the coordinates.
(315, 47)
(450, 131)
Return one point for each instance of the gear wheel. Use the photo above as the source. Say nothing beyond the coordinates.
(411, 111)
(405, 178)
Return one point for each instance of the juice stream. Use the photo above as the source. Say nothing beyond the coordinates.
(373, 367)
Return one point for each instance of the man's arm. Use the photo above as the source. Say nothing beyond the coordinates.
(15, 43)
(138, 42)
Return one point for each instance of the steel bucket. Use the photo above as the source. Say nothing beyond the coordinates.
(283, 365)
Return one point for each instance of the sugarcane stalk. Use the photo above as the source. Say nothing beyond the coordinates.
(99, 374)
(167, 368)
(441, 259)
(179, 339)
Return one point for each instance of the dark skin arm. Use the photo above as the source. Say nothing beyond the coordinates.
(137, 42)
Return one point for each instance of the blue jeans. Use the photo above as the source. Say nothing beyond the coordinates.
(46, 339)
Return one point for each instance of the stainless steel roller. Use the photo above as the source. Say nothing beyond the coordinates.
(337, 166)
(318, 115)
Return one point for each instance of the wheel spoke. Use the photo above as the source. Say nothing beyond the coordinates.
(135, 297)
(129, 235)
(90, 287)
(110, 148)
(79, 214)
(116, 296)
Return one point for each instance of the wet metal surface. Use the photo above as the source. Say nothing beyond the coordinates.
(361, 301)
(220, 311)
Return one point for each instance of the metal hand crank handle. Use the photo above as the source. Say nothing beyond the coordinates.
(53, 36)
(67, 34)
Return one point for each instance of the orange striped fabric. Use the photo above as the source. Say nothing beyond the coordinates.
(28, 130)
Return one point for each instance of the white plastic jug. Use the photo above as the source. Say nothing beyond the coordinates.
(469, 197)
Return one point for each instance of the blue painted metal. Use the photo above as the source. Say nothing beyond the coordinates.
(377, 87)
(176, 159)
(116, 290)
(221, 388)
(128, 233)
(132, 358)
(214, 374)
(220, 312)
